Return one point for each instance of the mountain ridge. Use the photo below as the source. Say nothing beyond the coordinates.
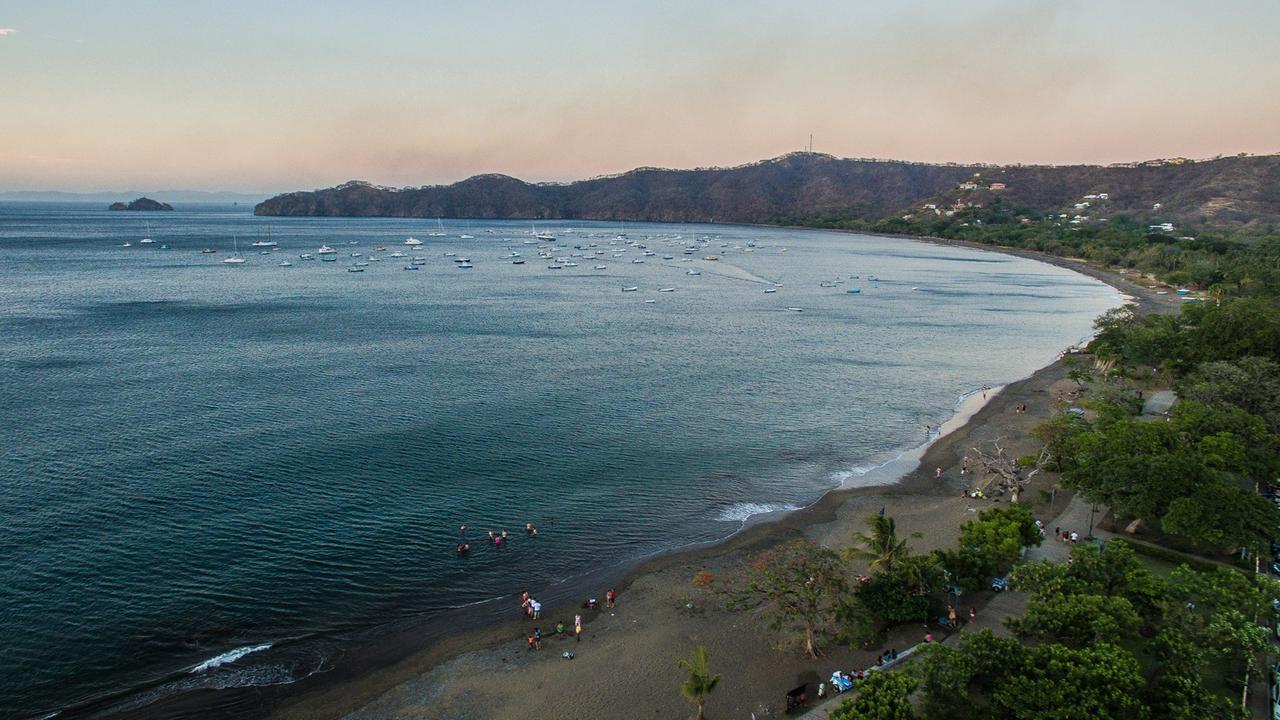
(802, 187)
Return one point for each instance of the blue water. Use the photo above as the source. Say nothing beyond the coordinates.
(200, 458)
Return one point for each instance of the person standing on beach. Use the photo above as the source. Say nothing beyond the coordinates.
(610, 598)
(577, 628)
(938, 472)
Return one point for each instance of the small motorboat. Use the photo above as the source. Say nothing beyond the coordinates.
(208, 251)
(354, 268)
(854, 290)
(693, 272)
(464, 266)
(633, 288)
(770, 290)
(517, 261)
(795, 309)
(285, 263)
(666, 289)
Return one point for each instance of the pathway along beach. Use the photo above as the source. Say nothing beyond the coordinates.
(626, 658)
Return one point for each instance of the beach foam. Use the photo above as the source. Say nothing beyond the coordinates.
(229, 657)
(741, 512)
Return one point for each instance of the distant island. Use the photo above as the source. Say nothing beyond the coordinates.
(814, 189)
(142, 204)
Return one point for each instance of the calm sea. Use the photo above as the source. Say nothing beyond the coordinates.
(207, 465)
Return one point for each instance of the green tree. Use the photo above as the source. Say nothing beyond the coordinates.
(881, 696)
(797, 587)
(880, 546)
(1076, 620)
(945, 674)
(699, 682)
(1098, 682)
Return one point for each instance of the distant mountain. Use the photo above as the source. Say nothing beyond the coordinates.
(172, 196)
(142, 204)
(802, 188)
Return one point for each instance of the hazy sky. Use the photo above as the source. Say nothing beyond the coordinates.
(267, 96)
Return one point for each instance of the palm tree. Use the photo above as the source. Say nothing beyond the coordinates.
(880, 547)
(700, 682)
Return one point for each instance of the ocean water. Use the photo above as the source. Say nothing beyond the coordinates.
(206, 463)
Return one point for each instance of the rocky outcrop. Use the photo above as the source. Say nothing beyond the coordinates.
(142, 204)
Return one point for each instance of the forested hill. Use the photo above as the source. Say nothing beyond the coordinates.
(804, 188)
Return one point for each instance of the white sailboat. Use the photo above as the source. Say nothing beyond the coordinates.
(439, 231)
(146, 240)
(234, 259)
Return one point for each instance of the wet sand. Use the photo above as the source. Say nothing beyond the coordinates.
(625, 664)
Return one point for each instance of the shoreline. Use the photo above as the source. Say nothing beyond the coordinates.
(376, 669)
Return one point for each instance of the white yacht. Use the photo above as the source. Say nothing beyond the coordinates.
(412, 242)
(326, 250)
(234, 259)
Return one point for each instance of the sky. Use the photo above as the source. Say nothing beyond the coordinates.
(274, 96)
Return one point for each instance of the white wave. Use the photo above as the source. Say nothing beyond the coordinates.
(742, 511)
(228, 657)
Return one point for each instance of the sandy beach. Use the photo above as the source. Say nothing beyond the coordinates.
(626, 657)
